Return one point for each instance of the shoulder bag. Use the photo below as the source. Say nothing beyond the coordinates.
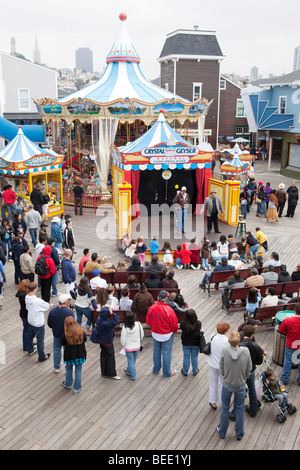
(207, 349)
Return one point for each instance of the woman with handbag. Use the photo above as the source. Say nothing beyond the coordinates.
(261, 205)
(217, 344)
(272, 214)
(131, 340)
(190, 339)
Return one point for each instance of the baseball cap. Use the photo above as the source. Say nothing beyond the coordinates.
(183, 188)
(56, 219)
(224, 258)
(63, 298)
(96, 272)
(163, 294)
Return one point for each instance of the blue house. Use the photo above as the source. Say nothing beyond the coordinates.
(272, 108)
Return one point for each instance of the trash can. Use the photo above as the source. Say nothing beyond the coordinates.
(279, 338)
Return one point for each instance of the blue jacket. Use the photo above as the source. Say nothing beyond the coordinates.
(56, 233)
(154, 247)
(68, 271)
(106, 326)
(56, 320)
(55, 256)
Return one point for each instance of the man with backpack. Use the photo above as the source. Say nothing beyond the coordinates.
(45, 268)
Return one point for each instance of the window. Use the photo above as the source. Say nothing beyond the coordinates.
(282, 105)
(24, 98)
(241, 131)
(167, 86)
(222, 84)
(197, 91)
(240, 110)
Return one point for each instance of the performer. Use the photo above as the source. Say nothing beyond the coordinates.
(183, 200)
(213, 208)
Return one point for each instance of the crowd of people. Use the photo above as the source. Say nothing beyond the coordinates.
(234, 355)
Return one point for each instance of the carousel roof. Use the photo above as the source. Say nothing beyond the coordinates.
(122, 78)
(21, 149)
(159, 133)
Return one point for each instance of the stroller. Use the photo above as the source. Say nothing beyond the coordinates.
(269, 397)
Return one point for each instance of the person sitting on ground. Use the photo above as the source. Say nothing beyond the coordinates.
(274, 260)
(135, 264)
(154, 265)
(255, 279)
(125, 300)
(224, 266)
(153, 281)
(270, 299)
(269, 275)
(131, 250)
(169, 282)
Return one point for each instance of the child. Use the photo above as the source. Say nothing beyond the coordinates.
(205, 254)
(126, 242)
(168, 258)
(278, 391)
(177, 257)
(223, 246)
(231, 246)
(154, 246)
(73, 340)
(262, 239)
(112, 300)
(253, 300)
(185, 256)
(242, 248)
(141, 249)
(125, 301)
(195, 254)
(214, 253)
(131, 250)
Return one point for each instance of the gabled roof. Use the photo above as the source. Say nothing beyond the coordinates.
(191, 43)
(287, 79)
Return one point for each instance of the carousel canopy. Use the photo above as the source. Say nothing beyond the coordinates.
(21, 156)
(122, 77)
(160, 148)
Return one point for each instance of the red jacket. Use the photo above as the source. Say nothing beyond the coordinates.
(185, 254)
(162, 319)
(291, 328)
(9, 196)
(49, 261)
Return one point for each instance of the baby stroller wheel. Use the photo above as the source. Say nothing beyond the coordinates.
(291, 409)
(281, 418)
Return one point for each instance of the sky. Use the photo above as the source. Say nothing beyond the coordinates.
(260, 33)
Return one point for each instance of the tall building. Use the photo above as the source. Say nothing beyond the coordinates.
(254, 73)
(296, 65)
(84, 59)
(13, 47)
(36, 53)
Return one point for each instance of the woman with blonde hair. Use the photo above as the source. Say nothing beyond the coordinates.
(218, 341)
(73, 340)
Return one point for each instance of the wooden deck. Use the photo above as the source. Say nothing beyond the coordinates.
(151, 413)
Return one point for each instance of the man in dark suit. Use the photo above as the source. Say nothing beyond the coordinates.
(212, 208)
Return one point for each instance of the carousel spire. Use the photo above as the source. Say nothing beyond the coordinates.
(123, 50)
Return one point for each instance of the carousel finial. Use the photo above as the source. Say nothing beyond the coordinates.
(122, 16)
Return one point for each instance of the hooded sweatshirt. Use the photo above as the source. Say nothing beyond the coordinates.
(46, 252)
(106, 325)
(36, 308)
(135, 265)
(235, 365)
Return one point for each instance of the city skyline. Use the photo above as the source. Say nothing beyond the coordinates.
(243, 41)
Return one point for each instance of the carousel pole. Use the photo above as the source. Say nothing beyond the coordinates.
(79, 145)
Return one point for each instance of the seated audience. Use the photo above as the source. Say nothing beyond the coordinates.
(269, 275)
(255, 279)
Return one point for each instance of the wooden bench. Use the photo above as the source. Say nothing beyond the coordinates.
(134, 291)
(121, 277)
(266, 315)
(223, 276)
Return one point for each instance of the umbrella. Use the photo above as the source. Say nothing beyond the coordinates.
(240, 139)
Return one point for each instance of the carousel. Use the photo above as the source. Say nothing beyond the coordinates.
(23, 165)
(118, 108)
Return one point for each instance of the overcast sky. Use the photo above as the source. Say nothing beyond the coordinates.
(258, 32)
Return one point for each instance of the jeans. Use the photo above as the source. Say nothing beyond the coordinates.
(54, 283)
(77, 379)
(242, 257)
(181, 216)
(131, 360)
(25, 335)
(10, 208)
(190, 354)
(288, 363)
(239, 400)
(253, 402)
(205, 277)
(58, 245)
(86, 311)
(205, 264)
(178, 262)
(283, 399)
(57, 352)
(33, 234)
(253, 250)
(7, 247)
(244, 210)
(162, 349)
(39, 333)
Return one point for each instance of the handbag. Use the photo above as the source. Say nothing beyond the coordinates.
(95, 335)
(272, 205)
(258, 200)
(202, 342)
(207, 349)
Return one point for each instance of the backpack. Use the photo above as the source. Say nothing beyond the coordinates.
(41, 268)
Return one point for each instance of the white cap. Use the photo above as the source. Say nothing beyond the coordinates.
(183, 188)
(56, 219)
(63, 298)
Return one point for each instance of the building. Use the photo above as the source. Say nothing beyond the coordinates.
(84, 59)
(254, 73)
(273, 112)
(190, 67)
(36, 53)
(296, 64)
